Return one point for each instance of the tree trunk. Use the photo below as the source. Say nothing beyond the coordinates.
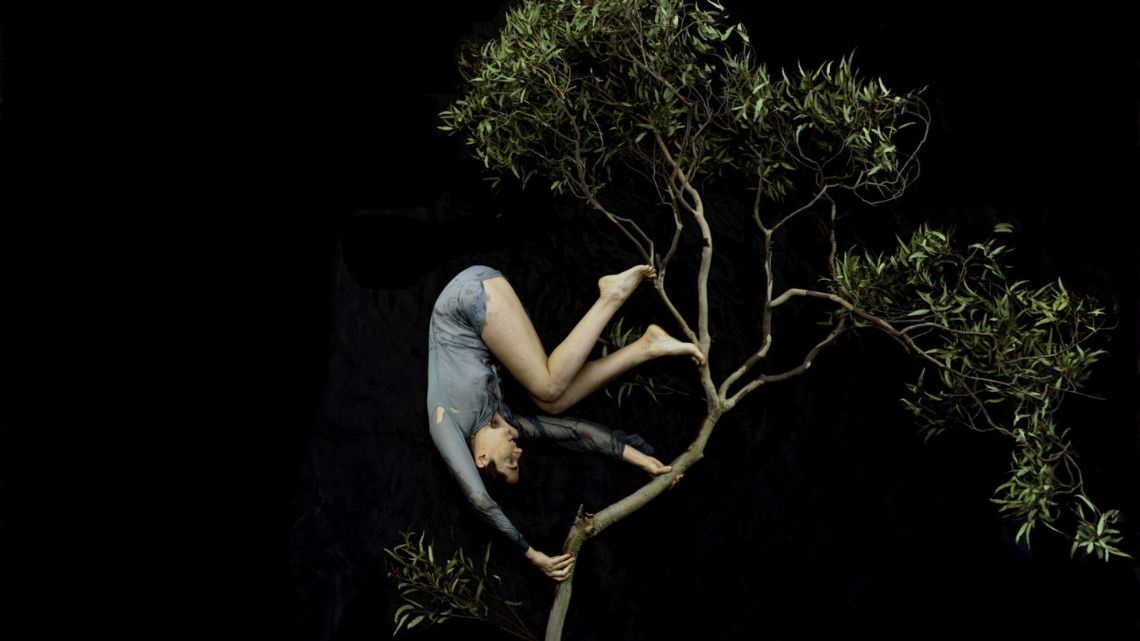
(587, 526)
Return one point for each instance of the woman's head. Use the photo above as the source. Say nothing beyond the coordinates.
(496, 452)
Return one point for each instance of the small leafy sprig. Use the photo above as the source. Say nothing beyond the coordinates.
(1094, 533)
(457, 587)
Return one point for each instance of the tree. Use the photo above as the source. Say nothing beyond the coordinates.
(599, 98)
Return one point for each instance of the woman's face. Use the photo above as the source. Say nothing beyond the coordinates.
(505, 454)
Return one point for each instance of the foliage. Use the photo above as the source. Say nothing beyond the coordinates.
(573, 89)
(1003, 356)
(455, 587)
(1094, 534)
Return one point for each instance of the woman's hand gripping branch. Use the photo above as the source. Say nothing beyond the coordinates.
(555, 567)
(650, 464)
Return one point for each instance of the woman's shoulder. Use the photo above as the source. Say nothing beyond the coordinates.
(480, 271)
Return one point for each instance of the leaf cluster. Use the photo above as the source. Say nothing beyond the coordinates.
(571, 85)
(1001, 355)
(572, 89)
(453, 587)
(828, 123)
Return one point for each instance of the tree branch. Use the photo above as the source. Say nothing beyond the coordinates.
(795, 371)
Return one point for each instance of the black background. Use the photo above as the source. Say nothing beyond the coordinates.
(223, 230)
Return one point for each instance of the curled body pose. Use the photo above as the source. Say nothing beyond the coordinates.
(477, 324)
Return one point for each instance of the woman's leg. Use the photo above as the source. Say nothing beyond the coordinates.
(511, 337)
(595, 374)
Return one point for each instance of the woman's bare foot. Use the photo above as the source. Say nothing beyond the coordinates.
(660, 343)
(618, 287)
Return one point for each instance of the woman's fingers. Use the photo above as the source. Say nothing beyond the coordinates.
(561, 567)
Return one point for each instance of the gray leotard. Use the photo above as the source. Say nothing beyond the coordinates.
(463, 380)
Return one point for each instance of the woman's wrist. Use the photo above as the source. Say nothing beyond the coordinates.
(633, 456)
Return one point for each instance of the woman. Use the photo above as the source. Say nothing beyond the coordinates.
(478, 321)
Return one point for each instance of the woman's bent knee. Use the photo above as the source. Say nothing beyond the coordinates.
(552, 407)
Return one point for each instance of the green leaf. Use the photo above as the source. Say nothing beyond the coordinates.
(414, 622)
(400, 624)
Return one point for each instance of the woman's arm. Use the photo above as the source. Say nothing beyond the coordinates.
(587, 436)
(458, 458)
(648, 463)
(453, 447)
(582, 436)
